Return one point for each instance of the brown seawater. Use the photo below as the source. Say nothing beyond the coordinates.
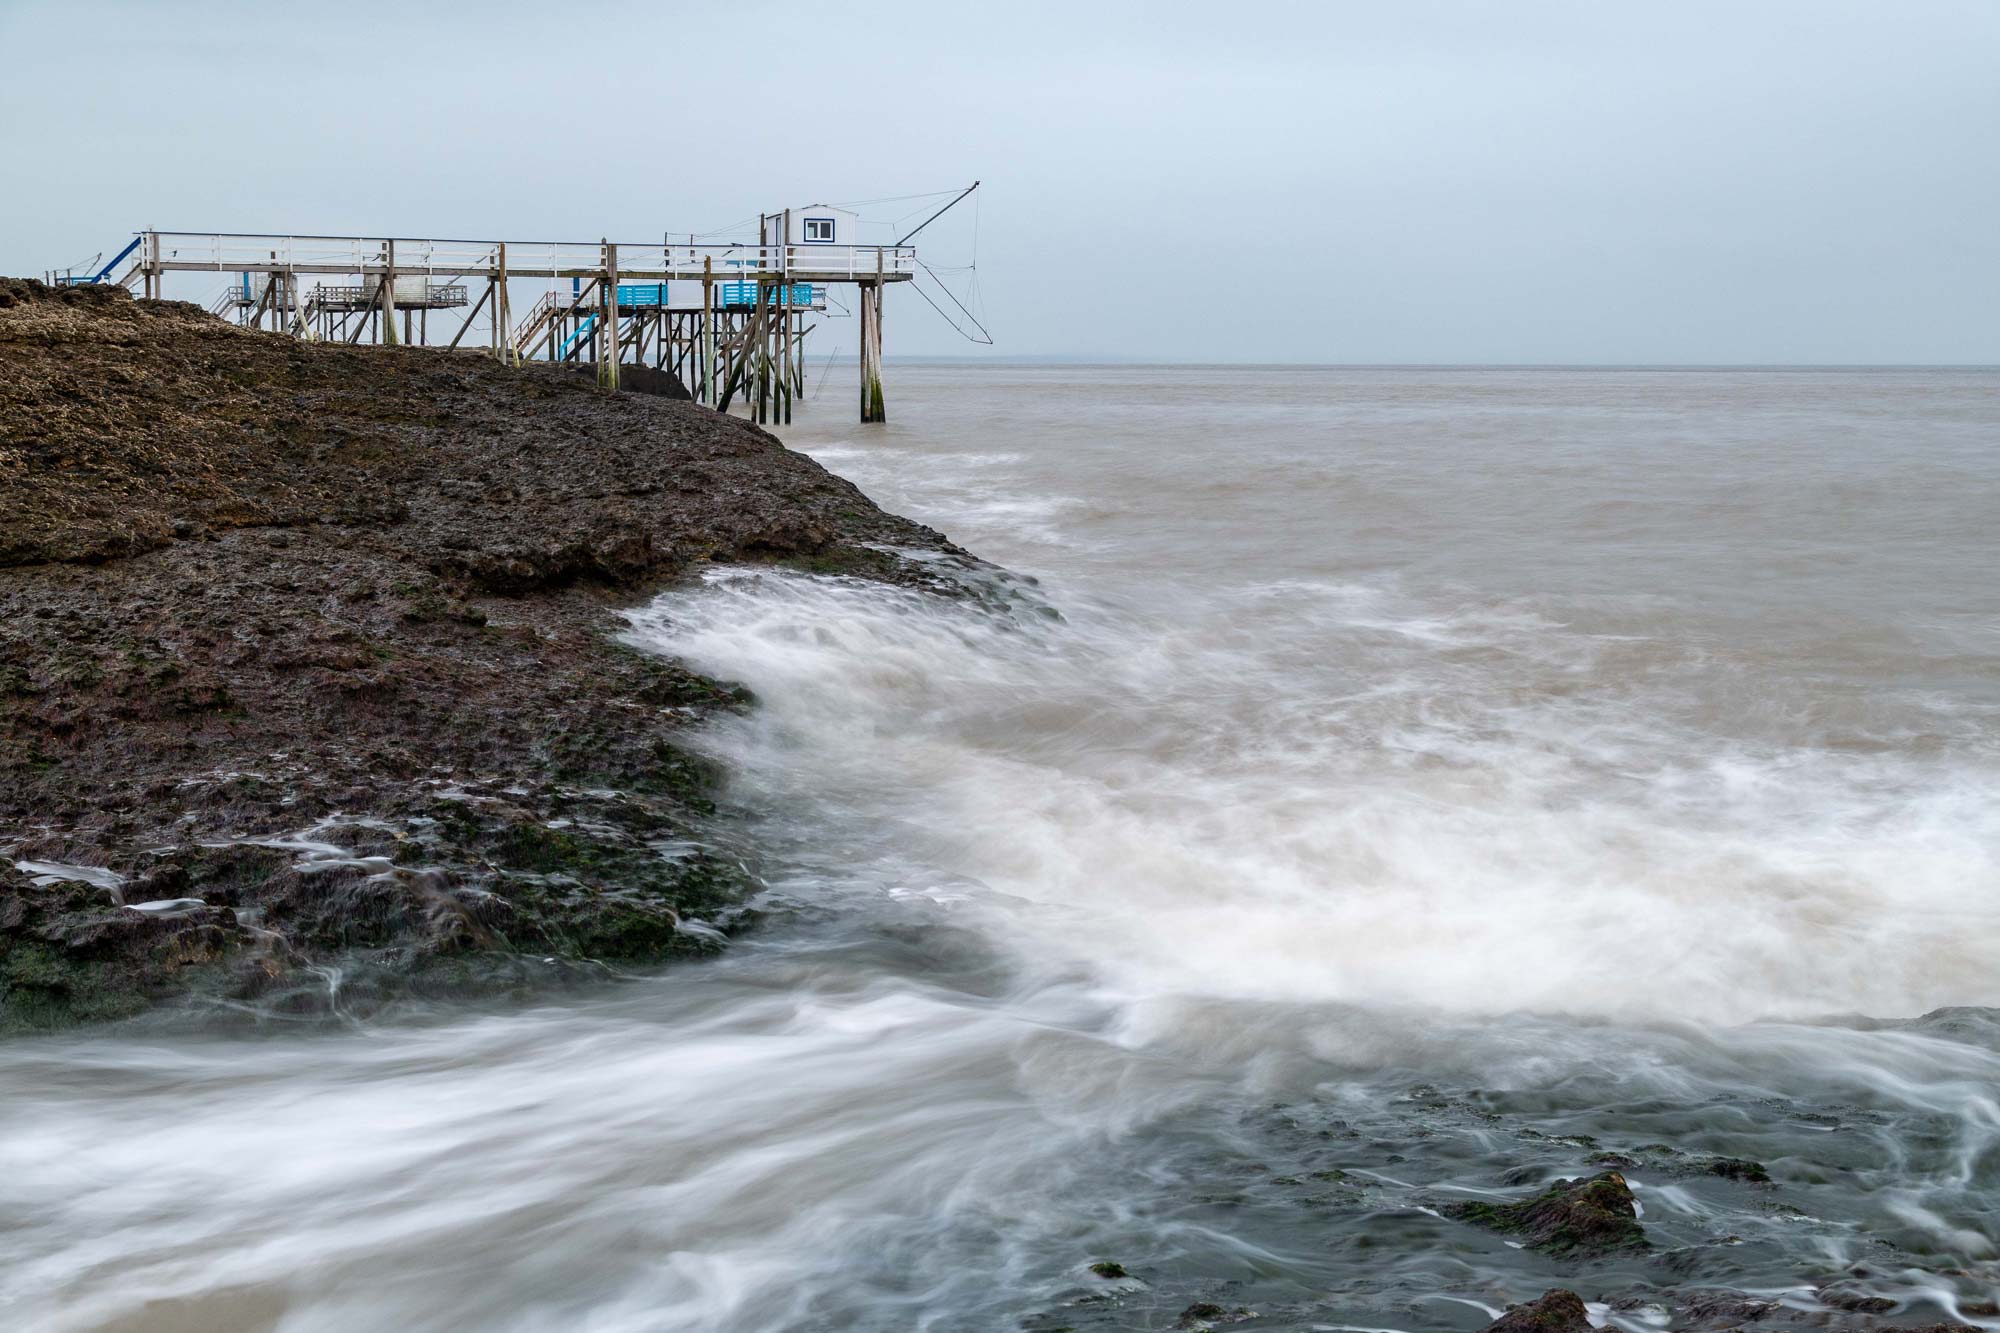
(1400, 788)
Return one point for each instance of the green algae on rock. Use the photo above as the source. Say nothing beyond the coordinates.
(1583, 1217)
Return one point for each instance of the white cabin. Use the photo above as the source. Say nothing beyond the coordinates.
(814, 224)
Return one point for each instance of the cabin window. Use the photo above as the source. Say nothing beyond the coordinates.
(819, 229)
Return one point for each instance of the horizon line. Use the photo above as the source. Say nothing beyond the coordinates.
(1075, 359)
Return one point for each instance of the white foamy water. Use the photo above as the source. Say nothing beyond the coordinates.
(1402, 787)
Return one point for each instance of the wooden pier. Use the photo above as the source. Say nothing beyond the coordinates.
(728, 320)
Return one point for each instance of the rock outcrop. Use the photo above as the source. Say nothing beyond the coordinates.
(1557, 1311)
(308, 697)
(1583, 1217)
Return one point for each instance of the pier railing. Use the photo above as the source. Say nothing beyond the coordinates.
(252, 253)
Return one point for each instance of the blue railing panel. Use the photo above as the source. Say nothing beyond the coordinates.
(802, 294)
(642, 293)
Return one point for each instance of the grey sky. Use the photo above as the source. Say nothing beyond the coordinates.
(1510, 182)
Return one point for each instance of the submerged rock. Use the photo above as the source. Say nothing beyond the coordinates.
(1735, 1168)
(1665, 1158)
(1589, 1216)
(1720, 1309)
(1557, 1311)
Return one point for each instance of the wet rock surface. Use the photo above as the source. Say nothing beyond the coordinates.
(308, 697)
(1557, 1311)
(1352, 1203)
(636, 378)
(1589, 1217)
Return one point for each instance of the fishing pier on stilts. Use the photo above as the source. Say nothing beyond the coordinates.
(728, 320)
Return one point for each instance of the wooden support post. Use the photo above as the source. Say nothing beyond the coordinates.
(772, 373)
(503, 316)
(684, 365)
(760, 350)
(607, 333)
(471, 315)
(784, 394)
(363, 319)
(708, 330)
(263, 299)
(881, 299)
(388, 324)
(872, 408)
(738, 356)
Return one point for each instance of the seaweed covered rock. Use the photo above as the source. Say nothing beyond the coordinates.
(1591, 1216)
(70, 951)
(1556, 1311)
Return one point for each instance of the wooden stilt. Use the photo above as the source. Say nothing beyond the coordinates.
(785, 350)
(256, 320)
(503, 315)
(607, 332)
(782, 344)
(387, 324)
(872, 408)
(761, 361)
(708, 330)
(740, 362)
(471, 315)
(875, 340)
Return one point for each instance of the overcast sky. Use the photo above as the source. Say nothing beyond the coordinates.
(1397, 181)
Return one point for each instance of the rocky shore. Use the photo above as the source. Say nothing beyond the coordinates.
(312, 704)
(308, 692)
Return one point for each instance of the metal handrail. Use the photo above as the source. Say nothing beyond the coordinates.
(436, 296)
(252, 252)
